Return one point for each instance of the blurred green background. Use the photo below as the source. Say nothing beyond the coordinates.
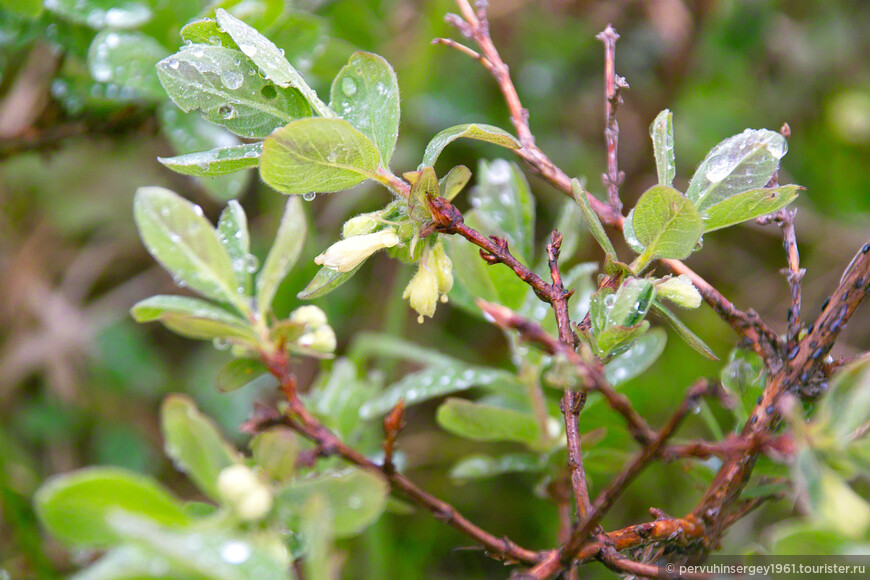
(80, 381)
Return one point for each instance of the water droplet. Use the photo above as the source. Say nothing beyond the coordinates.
(348, 87)
(251, 263)
(221, 343)
(226, 111)
(235, 552)
(216, 41)
(720, 168)
(309, 196)
(269, 92)
(113, 40)
(197, 209)
(232, 79)
(331, 156)
(249, 49)
(354, 502)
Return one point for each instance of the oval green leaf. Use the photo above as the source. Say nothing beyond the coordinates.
(747, 206)
(283, 254)
(487, 423)
(666, 223)
(476, 131)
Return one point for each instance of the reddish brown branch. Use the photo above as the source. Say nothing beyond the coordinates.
(302, 421)
(613, 83)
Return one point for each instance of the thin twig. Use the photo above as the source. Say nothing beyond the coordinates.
(613, 83)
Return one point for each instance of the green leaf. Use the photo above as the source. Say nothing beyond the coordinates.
(227, 88)
(591, 219)
(481, 466)
(284, 253)
(194, 443)
(487, 423)
(805, 538)
(666, 224)
(274, 452)
(455, 180)
(207, 553)
(365, 93)
(207, 31)
(190, 133)
(316, 528)
(194, 318)
(629, 234)
(129, 562)
(504, 205)
(317, 155)
(338, 396)
(638, 358)
(683, 331)
(28, 8)
(185, 243)
(269, 59)
(627, 307)
(846, 405)
(737, 164)
(748, 205)
(662, 133)
(436, 381)
(477, 131)
(127, 59)
(356, 498)
(325, 281)
(232, 231)
(215, 161)
(75, 506)
(102, 13)
(238, 373)
(369, 344)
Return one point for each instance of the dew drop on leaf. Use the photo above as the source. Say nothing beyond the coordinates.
(348, 87)
(309, 196)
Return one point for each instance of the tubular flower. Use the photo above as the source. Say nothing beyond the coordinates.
(349, 253)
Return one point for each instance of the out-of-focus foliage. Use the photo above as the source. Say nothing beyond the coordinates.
(80, 383)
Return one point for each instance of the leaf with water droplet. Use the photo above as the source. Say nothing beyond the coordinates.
(476, 131)
(666, 223)
(283, 254)
(638, 358)
(683, 331)
(189, 133)
(232, 230)
(317, 154)
(488, 423)
(737, 164)
(193, 79)
(356, 498)
(75, 506)
(215, 161)
(747, 206)
(269, 59)
(206, 552)
(325, 281)
(205, 31)
(366, 94)
(195, 318)
(99, 14)
(435, 381)
(127, 59)
(662, 133)
(274, 451)
(629, 234)
(195, 444)
(186, 244)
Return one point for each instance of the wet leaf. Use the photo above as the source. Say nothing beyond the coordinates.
(683, 331)
(317, 155)
(127, 59)
(503, 205)
(102, 13)
(666, 224)
(283, 254)
(476, 131)
(638, 358)
(748, 205)
(591, 219)
(274, 452)
(483, 466)
(487, 423)
(662, 133)
(75, 506)
(194, 318)
(737, 164)
(365, 93)
(325, 281)
(179, 237)
(194, 443)
(238, 373)
(229, 91)
(215, 161)
(232, 230)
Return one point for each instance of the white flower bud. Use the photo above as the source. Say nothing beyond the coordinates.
(322, 339)
(240, 487)
(349, 253)
(312, 316)
(680, 291)
(422, 291)
(364, 223)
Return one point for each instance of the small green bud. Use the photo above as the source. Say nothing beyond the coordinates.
(680, 291)
(349, 253)
(322, 339)
(365, 223)
(422, 291)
